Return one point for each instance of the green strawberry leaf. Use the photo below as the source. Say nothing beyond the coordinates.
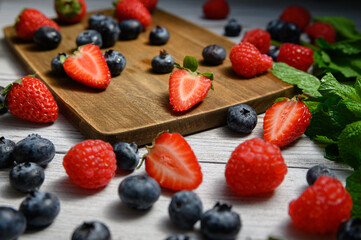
(349, 144)
(191, 63)
(353, 186)
(208, 75)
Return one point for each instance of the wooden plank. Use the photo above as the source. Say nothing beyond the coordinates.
(135, 107)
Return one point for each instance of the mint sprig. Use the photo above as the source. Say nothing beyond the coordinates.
(353, 186)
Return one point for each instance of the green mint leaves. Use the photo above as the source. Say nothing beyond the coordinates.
(353, 186)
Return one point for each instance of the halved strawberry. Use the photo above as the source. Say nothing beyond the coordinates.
(188, 87)
(285, 121)
(88, 66)
(172, 163)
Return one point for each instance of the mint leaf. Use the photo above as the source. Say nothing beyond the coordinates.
(305, 81)
(332, 153)
(353, 186)
(344, 47)
(344, 27)
(191, 63)
(352, 106)
(349, 144)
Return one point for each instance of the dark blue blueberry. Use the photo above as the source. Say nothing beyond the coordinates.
(127, 155)
(57, 64)
(241, 118)
(273, 53)
(220, 223)
(163, 63)
(274, 28)
(26, 177)
(89, 36)
(40, 209)
(158, 36)
(180, 237)
(93, 230)
(109, 30)
(139, 191)
(214, 54)
(185, 209)
(116, 62)
(317, 171)
(95, 20)
(34, 148)
(350, 230)
(130, 29)
(233, 28)
(12, 223)
(290, 33)
(47, 37)
(7, 148)
(3, 108)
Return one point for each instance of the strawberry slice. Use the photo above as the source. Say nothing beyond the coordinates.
(88, 67)
(285, 121)
(172, 163)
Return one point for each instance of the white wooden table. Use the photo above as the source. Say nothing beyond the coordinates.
(261, 216)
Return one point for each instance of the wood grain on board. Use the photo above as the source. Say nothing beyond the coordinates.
(135, 106)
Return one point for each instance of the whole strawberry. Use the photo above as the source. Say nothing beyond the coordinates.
(247, 60)
(260, 38)
(29, 20)
(322, 207)
(297, 15)
(216, 9)
(297, 56)
(255, 166)
(323, 30)
(70, 11)
(132, 9)
(149, 4)
(28, 98)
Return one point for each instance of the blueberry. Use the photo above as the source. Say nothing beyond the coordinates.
(220, 223)
(273, 53)
(89, 36)
(12, 223)
(3, 108)
(7, 148)
(57, 64)
(163, 63)
(130, 29)
(109, 30)
(47, 37)
(233, 28)
(95, 20)
(350, 230)
(180, 237)
(26, 177)
(241, 118)
(40, 209)
(214, 54)
(139, 191)
(115, 61)
(274, 28)
(34, 148)
(290, 33)
(158, 36)
(317, 171)
(127, 155)
(185, 209)
(93, 230)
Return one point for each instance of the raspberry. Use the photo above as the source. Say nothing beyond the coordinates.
(90, 164)
(216, 9)
(297, 56)
(247, 61)
(297, 15)
(322, 207)
(260, 38)
(320, 29)
(255, 166)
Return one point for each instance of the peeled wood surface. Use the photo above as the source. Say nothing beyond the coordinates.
(135, 106)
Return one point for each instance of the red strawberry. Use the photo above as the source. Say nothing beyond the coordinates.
(297, 15)
(216, 9)
(88, 67)
(29, 20)
(149, 4)
(30, 99)
(260, 38)
(320, 29)
(132, 9)
(295, 55)
(70, 11)
(172, 163)
(285, 121)
(187, 87)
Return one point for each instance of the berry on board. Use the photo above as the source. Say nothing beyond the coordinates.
(321, 30)
(214, 54)
(57, 64)
(130, 29)
(70, 11)
(89, 36)
(163, 63)
(297, 15)
(91, 230)
(260, 38)
(216, 9)
(322, 207)
(149, 4)
(296, 56)
(159, 35)
(132, 9)
(47, 37)
(116, 62)
(108, 28)
(241, 118)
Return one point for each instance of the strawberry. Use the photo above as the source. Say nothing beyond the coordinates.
(216, 9)
(70, 11)
(28, 98)
(132, 9)
(285, 121)
(188, 87)
(29, 20)
(172, 163)
(88, 67)
(149, 4)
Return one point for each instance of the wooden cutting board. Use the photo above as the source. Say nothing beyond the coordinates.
(135, 106)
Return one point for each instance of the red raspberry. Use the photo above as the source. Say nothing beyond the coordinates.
(322, 207)
(320, 29)
(90, 164)
(247, 61)
(297, 15)
(216, 9)
(297, 56)
(255, 166)
(260, 38)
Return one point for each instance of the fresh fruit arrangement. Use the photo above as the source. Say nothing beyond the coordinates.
(70, 11)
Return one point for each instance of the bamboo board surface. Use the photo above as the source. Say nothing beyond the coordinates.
(135, 106)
